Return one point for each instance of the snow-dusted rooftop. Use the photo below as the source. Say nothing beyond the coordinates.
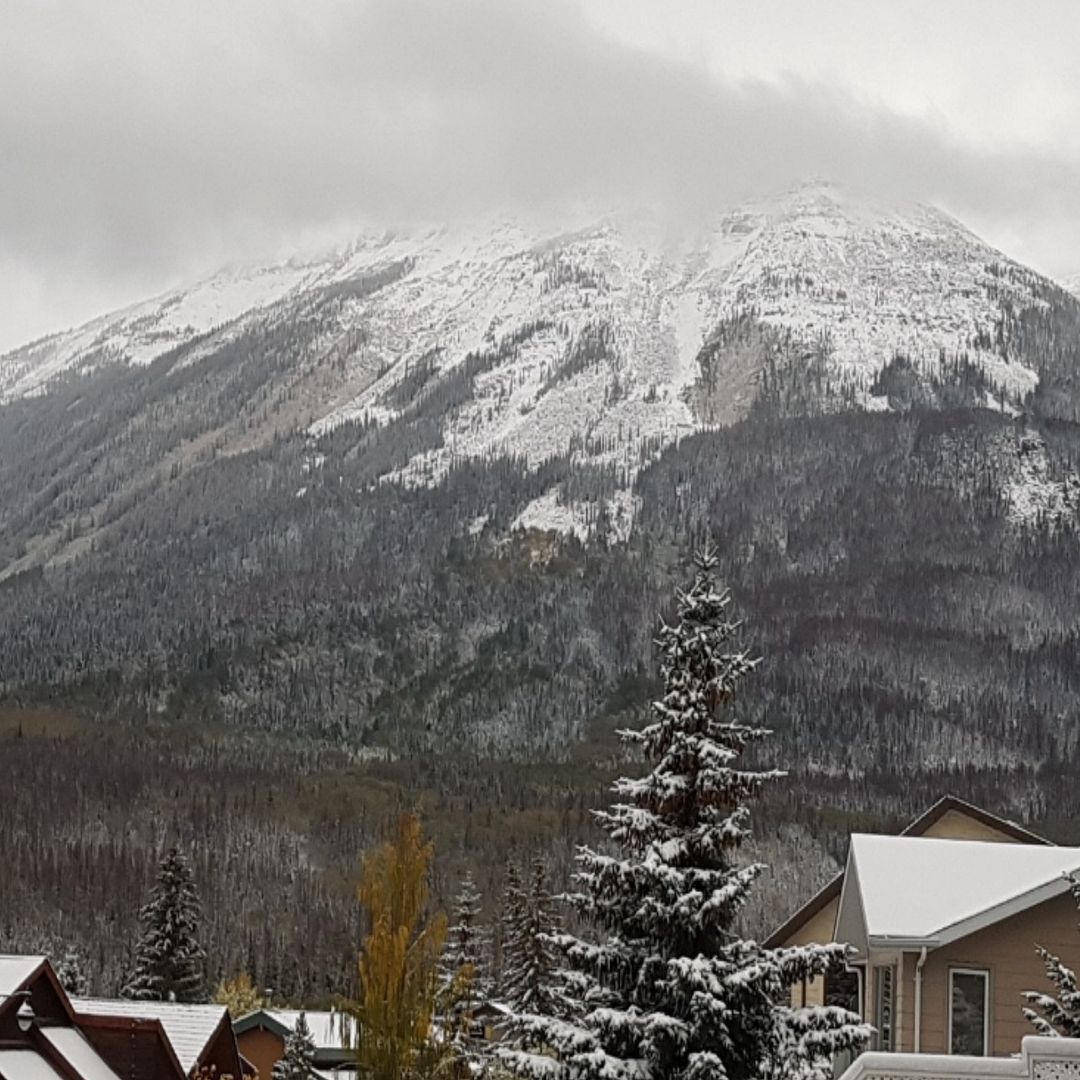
(26, 1065)
(914, 891)
(74, 1048)
(15, 970)
(189, 1028)
(330, 1030)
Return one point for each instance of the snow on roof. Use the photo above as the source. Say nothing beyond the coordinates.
(15, 970)
(79, 1054)
(931, 891)
(189, 1028)
(26, 1065)
(331, 1030)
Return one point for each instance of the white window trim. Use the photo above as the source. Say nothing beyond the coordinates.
(985, 973)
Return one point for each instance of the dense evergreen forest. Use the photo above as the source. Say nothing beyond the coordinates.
(265, 655)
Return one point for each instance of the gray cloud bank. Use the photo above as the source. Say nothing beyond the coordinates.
(145, 141)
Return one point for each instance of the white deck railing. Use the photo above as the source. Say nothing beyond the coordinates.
(1039, 1059)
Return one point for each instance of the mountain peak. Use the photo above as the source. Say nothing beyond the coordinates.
(506, 338)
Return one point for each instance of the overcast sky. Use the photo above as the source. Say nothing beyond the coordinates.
(145, 143)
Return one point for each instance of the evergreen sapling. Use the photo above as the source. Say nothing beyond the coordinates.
(299, 1057)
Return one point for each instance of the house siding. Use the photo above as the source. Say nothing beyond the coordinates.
(1007, 951)
(262, 1048)
(954, 825)
(818, 928)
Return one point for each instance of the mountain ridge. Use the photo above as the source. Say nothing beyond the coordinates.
(540, 344)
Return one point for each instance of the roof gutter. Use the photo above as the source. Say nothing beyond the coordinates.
(896, 941)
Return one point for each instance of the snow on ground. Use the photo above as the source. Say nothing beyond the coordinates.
(550, 513)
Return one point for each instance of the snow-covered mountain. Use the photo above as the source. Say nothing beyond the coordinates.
(1072, 284)
(587, 340)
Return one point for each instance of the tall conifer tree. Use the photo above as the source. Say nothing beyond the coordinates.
(511, 930)
(664, 988)
(466, 982)
(168, 957)
(529, 982)
(468, 944)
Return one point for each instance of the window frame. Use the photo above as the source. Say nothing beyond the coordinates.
(984, 974)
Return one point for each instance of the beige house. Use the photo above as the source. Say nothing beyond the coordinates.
(943, 920)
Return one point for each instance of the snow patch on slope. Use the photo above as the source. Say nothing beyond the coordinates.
(551, 513)
(1034, 494)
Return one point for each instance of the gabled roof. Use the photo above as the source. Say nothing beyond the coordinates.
(907, 892)
(918, 827)
(138, 1048)
(73, 1047)
(948, 803)
(29, 973)
(17, 970)
(190, 1028)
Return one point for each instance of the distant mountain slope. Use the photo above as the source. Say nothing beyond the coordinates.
(509, 341)
(314, 511)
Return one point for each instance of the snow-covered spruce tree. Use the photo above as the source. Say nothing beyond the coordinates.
(511, 927)
(72, 974)
(168, 957)
(464, 975)
(663, 987)
(299, 1057)
(467, 942)
(529, 980)
(1057, 1015)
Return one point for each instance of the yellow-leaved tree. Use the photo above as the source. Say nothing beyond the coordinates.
(399, 962)
(238, 994)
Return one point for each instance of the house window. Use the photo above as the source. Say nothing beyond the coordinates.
(969, 1012)
(885, 980)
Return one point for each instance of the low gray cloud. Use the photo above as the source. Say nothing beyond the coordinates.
(143, 142)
